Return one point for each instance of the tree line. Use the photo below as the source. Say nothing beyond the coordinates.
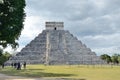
(115, 58)
(4, 56)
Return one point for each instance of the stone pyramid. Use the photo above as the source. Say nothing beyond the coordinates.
(56, 46)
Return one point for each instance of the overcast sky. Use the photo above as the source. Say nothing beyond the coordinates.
(95, 22)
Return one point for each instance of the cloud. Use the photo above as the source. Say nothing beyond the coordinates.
(109, 50)
(101, 44)
(102, 40)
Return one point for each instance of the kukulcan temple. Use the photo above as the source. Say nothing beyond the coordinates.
(56, 46)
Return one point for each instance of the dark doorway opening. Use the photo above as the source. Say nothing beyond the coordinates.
(55, 28)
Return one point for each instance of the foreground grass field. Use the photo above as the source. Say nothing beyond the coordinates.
(82, 72)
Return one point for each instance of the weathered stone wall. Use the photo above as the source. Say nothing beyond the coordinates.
(54, 26)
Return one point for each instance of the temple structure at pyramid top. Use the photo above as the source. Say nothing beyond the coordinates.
(56, 46)
(54, 26)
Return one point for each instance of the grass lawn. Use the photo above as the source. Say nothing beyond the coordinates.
(82, 72)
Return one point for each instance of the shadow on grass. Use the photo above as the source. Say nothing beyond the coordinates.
(36, 69)
(43, 74)
(68, 79)
(52, 75)
(35, 73)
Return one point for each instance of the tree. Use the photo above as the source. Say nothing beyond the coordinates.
(4, 57)
(119, 58)
(115, 58)
(7, 55)
(1, 51)
(106, 57)
(12, 16)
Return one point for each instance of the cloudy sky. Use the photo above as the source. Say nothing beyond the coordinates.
(95, 22)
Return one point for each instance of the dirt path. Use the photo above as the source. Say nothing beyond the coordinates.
(6, 77)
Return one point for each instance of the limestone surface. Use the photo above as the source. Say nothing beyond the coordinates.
(56, 46)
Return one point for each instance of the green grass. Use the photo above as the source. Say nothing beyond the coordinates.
(82, 72)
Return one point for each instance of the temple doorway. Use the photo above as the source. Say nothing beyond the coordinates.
(55, 28)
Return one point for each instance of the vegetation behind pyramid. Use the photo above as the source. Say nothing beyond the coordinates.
(56, 46)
